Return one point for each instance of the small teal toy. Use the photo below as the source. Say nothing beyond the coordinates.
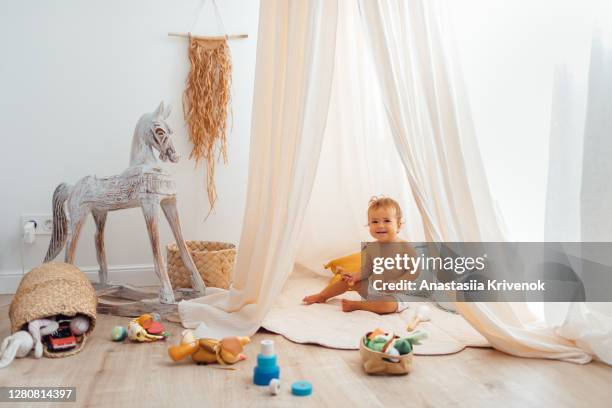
(267, 367)
(301, 388)
(118, 333)
(384, 342)
(378, 342)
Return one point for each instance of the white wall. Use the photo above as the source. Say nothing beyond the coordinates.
(75, 77)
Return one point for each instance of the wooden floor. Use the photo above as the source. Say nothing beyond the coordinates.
(108, 374)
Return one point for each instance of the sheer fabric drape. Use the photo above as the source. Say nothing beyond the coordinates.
(312, 180)
(579, 194)
(295, 56)
(423, 95)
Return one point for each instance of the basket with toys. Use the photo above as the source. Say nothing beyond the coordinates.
(385, 353)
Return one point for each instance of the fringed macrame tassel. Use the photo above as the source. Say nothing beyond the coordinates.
(205, 103)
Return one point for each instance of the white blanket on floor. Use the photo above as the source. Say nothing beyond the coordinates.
(327, 325)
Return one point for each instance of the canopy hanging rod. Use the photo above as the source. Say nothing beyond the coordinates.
(210, 37)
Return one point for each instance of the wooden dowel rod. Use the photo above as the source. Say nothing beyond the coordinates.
(210, 37)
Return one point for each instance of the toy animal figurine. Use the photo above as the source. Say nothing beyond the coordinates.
(144, 183)
(18, 344)
(207, 351)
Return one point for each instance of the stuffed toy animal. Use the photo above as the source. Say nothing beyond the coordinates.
(17, 345)
(405, 345)
(206, 351)
(146, 329)
(39, 328)
(79, 325)
(389, 344)
(349, 263)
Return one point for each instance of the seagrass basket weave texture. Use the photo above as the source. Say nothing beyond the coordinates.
(214, 260)
(53, 289)
(375, 362)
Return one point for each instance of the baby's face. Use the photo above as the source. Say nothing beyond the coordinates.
(383, 224)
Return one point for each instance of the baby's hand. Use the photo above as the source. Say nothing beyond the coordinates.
(350, 277)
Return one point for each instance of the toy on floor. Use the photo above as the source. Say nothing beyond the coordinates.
(421, 315)
(274, 386)
(301, 388)
(267, 367)
(146, 329)
(57, 334)
(206, 351)
(79, 325)
(61, 339)
(17, 345)
(349, 263)
(39, 328)
(119, 333)
(385, 353)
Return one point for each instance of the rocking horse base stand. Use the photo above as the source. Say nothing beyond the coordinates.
(130, 301)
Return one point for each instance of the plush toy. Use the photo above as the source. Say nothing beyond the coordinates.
(39, 328)
(378, 342)
(376, 332)
(145, 329)
(18, 345)
(79, 325)
(138, 333)
(349, 263)
(206, 351)
(389, 344)
(405, 345)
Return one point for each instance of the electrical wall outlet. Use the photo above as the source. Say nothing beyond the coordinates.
(44, 223)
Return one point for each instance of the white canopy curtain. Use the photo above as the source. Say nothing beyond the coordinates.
(429, 121)
(579, 195)
(295, 54)
(358, 157)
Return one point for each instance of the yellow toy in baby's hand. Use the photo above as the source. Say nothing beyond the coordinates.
(206, 351)
(347, 264)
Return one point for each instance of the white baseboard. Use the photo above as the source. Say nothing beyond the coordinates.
(137, 275)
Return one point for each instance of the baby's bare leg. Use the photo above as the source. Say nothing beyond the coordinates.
(335, 289)
(375, 306)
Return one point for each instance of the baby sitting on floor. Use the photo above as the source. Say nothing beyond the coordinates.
(384, 222)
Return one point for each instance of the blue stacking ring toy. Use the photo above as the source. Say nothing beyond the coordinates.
(266, 369)
(301, 388)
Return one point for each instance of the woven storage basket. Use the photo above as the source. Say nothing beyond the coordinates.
(214, 260)
(375, 362)
(51, 289)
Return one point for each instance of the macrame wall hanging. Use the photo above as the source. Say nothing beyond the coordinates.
(207, 99)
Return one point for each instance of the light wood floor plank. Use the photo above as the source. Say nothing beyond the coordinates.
(109, 374)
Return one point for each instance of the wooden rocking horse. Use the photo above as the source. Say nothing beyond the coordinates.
(143, 184)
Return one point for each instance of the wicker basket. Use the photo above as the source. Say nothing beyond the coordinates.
(52, 289)
(375, 362)
(214, 260)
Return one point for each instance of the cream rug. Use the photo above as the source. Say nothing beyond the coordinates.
(327, 325)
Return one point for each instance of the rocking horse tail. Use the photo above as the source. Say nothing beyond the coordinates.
(60, 222)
